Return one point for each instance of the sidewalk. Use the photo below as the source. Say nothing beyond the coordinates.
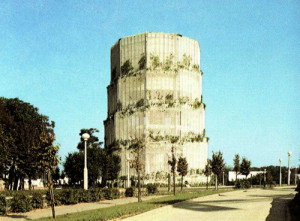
(60, 210)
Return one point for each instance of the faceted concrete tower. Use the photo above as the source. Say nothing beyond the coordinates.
(155, 93)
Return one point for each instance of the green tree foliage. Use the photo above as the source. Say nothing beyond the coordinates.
(73, 167)
(182, 168)
(245, 167)
(217, 166)
(26, 142)
(207, 171)
(100, 161)
(236, 163)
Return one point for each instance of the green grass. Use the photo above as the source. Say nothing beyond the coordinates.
(133, 208)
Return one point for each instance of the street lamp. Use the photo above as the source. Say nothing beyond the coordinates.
(85, 137)
(127, 159)
(280, 160)
(289, 169)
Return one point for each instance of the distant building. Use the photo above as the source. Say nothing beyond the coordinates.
(232, 175)
(155, 93)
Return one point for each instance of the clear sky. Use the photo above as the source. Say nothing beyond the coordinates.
(56, 55)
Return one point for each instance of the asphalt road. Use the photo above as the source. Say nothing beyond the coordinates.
(254, 205)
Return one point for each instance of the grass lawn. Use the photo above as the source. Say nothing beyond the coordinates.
(134, 208)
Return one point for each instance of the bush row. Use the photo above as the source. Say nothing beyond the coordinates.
(23, 202)
(74, 196)
(242, 184)
(151, 189)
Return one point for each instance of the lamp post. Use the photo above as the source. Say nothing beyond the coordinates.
(85, 137)
(280, 160)
(289, 169)
(128, 159)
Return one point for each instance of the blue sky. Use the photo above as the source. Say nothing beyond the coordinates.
(56, 55)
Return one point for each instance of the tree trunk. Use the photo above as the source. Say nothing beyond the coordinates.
(181, 183)
(50, 185)
(216, 182)
(139, 187)
(139, 176)
(29, 183)
(16, 181)
(21, 186)
(174, 182)
(235, 176)
(169, 182)
(207, 183)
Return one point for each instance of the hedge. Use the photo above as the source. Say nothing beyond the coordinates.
(37, 200)
(24, 201)
(21, 203)
(151, 188)
(2, 205)
(129, 192)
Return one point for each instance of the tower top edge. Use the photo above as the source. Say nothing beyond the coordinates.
(154, 33)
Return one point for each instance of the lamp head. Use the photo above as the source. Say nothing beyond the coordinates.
(289, 153)
(85, 136)
(280, 160)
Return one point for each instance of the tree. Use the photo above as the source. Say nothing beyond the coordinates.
(137, 147)
(73, 167)
(236, 163)
(26, 142)
(217, 166)
(182, 169)
(245, 167)
(96, 160)
(269, 178)
(207, 171)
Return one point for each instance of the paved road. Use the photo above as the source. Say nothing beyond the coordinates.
(254, 205)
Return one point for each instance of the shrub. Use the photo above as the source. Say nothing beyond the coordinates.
(129, 192)
(2, 205)
(69, 196)
(242, 184)
(37, 200)
(111, 193)
(84, 195)
(151, 188)
(57, 197)
(95, 194)
(20, 203)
